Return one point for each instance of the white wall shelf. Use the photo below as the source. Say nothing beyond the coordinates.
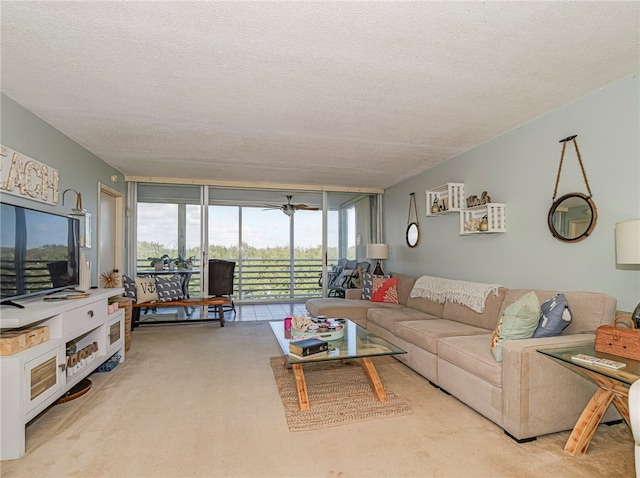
(470, 219)
(448, 197)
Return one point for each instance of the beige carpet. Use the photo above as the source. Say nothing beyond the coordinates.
(339, 393)
(199, 400)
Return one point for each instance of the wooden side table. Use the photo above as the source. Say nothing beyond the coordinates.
(613, 387)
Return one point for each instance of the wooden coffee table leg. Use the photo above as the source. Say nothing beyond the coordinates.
(301, 386)
(374, 379)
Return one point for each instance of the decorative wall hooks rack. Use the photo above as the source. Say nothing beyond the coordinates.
(478, 215)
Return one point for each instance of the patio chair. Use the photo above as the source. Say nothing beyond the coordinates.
(221, 277)
(58, 270)
(347, 277)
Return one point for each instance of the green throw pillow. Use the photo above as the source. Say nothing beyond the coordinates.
(518, 321)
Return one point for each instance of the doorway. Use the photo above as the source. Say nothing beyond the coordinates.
(110, 254)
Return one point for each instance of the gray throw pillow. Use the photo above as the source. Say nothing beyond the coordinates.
(555, 317)
(169, 288)
(129, 285)
(367, 284)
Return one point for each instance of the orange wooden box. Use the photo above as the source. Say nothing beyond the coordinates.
(14, 341)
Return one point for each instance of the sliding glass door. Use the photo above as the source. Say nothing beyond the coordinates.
(277, 243)
(168, 231)
(278, 256)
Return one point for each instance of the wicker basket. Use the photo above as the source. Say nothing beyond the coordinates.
(126, 304)
(110, 364)
(620, 341)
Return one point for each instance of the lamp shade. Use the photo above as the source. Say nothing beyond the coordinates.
(378, 251)
(628, 242)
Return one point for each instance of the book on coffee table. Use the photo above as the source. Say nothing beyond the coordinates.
(310, 356)
(308, 346)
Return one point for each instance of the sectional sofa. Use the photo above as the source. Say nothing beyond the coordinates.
(527, 394)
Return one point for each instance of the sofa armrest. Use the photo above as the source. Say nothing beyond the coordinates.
(539, 394)
(353, 294)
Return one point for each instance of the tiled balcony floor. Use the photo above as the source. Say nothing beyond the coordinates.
(244, 313)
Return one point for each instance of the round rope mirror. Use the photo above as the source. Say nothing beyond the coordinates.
(572, 217)
(412, 235)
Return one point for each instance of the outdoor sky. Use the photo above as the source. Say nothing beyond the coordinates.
(262, 228)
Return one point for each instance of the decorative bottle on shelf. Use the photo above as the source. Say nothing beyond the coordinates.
(84, 274)
(484, 224)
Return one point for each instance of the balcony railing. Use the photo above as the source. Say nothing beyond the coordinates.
(265, 279)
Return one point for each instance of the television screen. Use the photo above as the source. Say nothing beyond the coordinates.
(39, 252)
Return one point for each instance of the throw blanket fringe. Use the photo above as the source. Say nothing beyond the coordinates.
(470, 294)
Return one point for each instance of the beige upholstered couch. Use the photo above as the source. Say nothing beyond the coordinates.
(527, 394)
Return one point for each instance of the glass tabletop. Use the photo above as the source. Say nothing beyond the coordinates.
(627, 375)
(357, 342)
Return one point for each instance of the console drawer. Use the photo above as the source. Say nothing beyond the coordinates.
(76, 320)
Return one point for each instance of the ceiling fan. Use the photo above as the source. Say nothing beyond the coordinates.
(289, 208)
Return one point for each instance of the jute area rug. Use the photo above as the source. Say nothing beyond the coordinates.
(339, 393)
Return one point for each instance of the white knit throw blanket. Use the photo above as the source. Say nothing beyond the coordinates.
(437, 289)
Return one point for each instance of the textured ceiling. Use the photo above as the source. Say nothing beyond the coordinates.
(350, 94)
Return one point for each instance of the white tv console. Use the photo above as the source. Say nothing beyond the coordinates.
(35, 378)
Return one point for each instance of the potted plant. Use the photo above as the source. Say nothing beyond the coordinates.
(158, 263)
(179, 262)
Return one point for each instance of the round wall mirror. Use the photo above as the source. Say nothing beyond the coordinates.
(572, 217)
(413, 234)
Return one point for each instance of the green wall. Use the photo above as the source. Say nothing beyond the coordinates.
(519, 168)
(79, 169)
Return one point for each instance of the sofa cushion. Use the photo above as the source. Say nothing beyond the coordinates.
(129, 287)
(405, 284)
(385, 290)
(555, 317)
(146, 289)
(486, 319)
(353, 309)
(387, 318)
(518, 321)
(472, 353)
(426, 333)
(367, 284)
(169, 288)
(425, 305)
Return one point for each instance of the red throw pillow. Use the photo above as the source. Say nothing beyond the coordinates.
(385, 290)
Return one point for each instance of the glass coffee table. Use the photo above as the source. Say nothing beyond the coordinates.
(357, 343)
(613, 387)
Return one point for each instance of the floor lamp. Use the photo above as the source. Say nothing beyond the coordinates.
(628, 251)
(378, 252)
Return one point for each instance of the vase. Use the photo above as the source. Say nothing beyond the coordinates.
(84, 274)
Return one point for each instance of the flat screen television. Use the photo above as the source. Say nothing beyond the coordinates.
(39, 252)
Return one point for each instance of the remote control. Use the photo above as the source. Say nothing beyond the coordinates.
(599, 361)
